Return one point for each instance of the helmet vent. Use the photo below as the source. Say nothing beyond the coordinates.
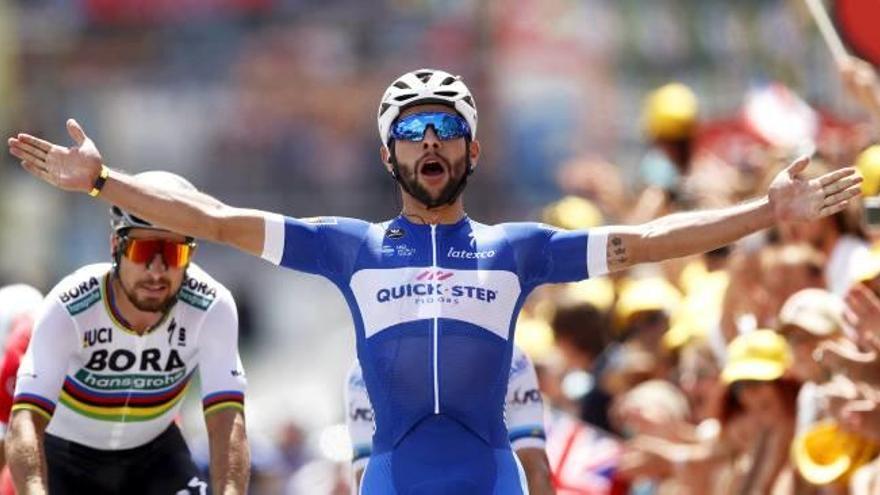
(405, 97)
(448, 94)
(424, 76)
(401, 85)
(469, 101)
(449, 80)
(385, 106)
(139, 220)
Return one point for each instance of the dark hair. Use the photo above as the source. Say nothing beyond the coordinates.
(786, 388)
(583, 325)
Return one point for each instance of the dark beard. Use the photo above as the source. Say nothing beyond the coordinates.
(447, 195)
(149, 306)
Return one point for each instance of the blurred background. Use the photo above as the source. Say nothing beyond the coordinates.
(629, 109)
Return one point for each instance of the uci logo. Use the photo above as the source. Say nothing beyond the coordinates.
(525, 397)
(97, 336)
(362, 414)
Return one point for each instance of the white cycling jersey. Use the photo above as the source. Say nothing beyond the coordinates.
(523, 409)
(103, 385)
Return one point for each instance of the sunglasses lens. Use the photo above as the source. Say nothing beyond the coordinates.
(446, 126)
(175, 254)
(451, 127)
(141, 250)
(411, 128)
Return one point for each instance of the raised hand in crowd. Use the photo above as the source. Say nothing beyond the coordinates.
(860, 79)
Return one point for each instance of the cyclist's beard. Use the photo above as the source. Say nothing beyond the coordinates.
(151, 305)
(409, 180)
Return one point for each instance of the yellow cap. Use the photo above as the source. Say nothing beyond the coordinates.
(825, 454)
(646, 294)
(684, 327)
(670, 112)
(701, 307)
(868, 165)
(762, 355)
(572, 212)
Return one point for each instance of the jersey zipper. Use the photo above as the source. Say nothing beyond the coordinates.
(123, 422)
(436, 318)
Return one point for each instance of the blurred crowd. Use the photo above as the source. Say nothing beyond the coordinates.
(752, 369)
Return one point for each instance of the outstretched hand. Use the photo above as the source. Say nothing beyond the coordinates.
(795, 198)
(72, 168)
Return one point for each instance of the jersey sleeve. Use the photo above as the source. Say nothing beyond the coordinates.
(358, 418)
(325, 246)
(524, 408)
(44, 366)
(220, 370)
(546, 254)
(16, 346)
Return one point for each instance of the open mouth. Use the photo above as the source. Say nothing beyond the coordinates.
(432, 168)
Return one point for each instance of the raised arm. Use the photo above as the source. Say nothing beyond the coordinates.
(791, 198)
(195, 214)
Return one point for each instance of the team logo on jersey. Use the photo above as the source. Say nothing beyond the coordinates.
(81, 297)
(470, 255)
(399, 250)
(434, 275)
(77, 291)
(395, 233)
(200, 287)
(181, 333)
(124, 360)
(123, 382)
(429, 292)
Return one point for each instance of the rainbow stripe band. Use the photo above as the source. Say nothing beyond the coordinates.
(225, 399)
(32, 402)
(527, 432)
(121, 406)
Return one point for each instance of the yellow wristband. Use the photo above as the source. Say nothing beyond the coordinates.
(100, 181)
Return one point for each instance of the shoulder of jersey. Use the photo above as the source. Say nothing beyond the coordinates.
(199, 289)
(81, 289)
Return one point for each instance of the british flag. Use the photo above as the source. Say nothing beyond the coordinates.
(583, 458)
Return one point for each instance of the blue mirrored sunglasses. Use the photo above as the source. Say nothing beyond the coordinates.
(446, 125)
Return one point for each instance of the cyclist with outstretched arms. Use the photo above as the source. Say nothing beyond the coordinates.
(111, 356)
(434, 294)
(523, 415)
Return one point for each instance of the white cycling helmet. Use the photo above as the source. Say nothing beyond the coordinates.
(121, 219)
(425, 86)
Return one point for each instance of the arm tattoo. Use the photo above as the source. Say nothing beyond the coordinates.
(617, 253)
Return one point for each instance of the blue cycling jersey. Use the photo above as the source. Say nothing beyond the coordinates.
(434, 308)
